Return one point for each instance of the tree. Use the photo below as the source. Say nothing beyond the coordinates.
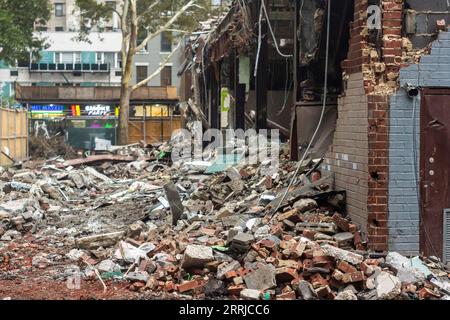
(140, 22)
(17, 21)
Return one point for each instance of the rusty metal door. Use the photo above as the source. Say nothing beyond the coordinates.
(434, 168)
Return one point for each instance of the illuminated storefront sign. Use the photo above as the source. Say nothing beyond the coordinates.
(47, 108)
(47, 111)
(97, 110)
(74, 110)
(94, 110)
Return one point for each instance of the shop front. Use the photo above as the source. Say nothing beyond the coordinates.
(88, 116)
(89, 123)
(82, 124)
(153, 123)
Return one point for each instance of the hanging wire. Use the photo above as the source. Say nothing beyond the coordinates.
(263, 6)
(319, 124)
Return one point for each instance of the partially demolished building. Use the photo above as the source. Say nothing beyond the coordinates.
(384, 132)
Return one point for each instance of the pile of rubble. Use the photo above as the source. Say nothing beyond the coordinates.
(174, 231)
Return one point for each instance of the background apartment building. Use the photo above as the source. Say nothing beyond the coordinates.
(68, 62)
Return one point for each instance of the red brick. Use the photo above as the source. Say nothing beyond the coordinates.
(170, 286)
(346, 267)
(292, 215)
(353, 277)
(235, 290)
(286, 274)
(231, 274)
(187, 286)
(341, 222)
(309, 234)
(317, 280)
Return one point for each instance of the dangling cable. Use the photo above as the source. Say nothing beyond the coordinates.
(325, 95)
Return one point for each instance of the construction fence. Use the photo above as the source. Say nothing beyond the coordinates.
(13, 136)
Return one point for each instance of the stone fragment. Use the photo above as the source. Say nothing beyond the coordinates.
(387, 286)
(261, 279)
(250, 294)
(346, 295)
(306, 291)
(304, 205)
(341, 254)
(196, 256)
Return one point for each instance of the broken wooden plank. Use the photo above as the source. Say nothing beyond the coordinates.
(99, 240)
(97, 158)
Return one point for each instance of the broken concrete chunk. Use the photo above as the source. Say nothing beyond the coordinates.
(196, 256)
(129, 253)
(243, 238)
(388, 286)
(15, 206)
(75, 254)
(344, 239)
(95, 174)
(341, 254)
(261, 279)
(223, 268)
(100, 240)
(242, 241)
(304, 205)
(406, 271)
(346, 295)
(319, 227)
(138, 276)
(250, 294)
(107, 266)
(306, 291)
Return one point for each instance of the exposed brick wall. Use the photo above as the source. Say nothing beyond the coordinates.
(359, 155)
(358, 54)
(365, 156)
(432, 71)
(378, 118)
(348, 155)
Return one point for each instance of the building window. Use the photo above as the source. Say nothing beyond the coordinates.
(59, 9)
(166, 76)
(119, 60)
(59, 29)
(99, 57)
(166, 42)
(141, 73)
(64, 57)
(42, 28)
(109, 58)
(77, 57)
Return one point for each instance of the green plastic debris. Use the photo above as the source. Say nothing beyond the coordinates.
(112, 275)
(162, 155)
(220, 248)
(266, 296)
